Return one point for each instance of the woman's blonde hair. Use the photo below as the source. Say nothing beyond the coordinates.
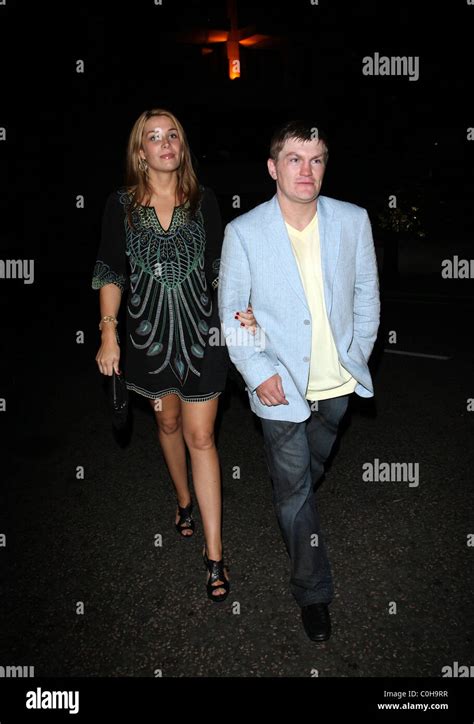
(137, 180)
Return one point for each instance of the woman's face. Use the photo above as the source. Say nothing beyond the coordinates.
(161, 146)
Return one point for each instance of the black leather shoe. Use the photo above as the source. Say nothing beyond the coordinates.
(316, 621)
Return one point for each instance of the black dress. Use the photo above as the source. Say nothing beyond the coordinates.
(173, 337)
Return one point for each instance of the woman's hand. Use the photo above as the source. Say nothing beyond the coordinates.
(108, 356)
(247, 319)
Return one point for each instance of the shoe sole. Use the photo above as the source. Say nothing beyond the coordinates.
(319, 639)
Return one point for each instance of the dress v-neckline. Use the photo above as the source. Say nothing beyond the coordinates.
(155, 213)
(158, 218)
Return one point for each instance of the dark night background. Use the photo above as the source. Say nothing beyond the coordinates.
(387, 134)
(66, 135)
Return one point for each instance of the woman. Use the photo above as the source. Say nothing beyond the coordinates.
(161, 240)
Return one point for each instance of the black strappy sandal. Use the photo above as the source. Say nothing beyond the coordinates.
(216, 570)
(185, 521)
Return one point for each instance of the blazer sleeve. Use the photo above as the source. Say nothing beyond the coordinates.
(111, 262)
(366, 292)
(247, 351)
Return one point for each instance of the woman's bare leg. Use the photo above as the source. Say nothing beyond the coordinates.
(198, 431)
(170, 434)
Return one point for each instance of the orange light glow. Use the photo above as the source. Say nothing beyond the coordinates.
(252, 40)
(233, 56)
(233, 38)
(217, 36)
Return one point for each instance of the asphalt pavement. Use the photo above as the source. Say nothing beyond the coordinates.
(90, 593)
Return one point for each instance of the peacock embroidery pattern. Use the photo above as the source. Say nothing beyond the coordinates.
(168, 278)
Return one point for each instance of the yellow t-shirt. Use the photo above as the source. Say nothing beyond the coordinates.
(327, 377)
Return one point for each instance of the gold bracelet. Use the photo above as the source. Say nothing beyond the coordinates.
(107, 318)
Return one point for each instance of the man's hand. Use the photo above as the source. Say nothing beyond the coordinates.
(271, 392)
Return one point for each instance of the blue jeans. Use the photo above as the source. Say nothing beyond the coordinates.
(295, 453)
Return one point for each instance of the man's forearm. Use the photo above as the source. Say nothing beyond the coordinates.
(251, 361)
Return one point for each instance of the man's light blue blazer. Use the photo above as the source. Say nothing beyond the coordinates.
(258, 266)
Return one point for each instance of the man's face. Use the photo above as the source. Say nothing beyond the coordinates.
(299, 169)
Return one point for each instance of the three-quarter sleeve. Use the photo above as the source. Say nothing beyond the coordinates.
(111, 263)
(214, 236)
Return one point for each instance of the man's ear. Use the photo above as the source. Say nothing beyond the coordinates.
(272, 168)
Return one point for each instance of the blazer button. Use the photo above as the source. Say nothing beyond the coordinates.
(305, 359)
(306, 321)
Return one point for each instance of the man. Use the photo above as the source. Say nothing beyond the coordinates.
(307, 265)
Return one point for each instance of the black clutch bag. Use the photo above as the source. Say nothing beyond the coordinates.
(118, 400)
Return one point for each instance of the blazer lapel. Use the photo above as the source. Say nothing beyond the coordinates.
(279, 240)
(330, 241)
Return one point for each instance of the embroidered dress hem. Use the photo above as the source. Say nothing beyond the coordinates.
(172, 391)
